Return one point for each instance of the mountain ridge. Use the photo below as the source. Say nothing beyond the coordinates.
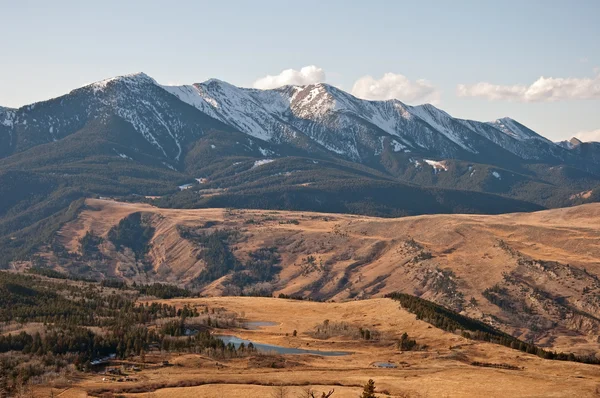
(316, 103)
(311, 147)
(319, 103)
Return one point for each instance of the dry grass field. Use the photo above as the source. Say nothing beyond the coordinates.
(545, 265)
(533, 275)
(443, 369)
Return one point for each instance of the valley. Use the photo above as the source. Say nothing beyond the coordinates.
(446, 364)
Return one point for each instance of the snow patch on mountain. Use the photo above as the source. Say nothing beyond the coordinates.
(130, 79)
(160, 119)
(232, 105)
(437, 165)
(315, 102)
(266, 152)
(139, 99)
(398, 147)
(262, 162)
(167, 165)
(134, 119)
(415, 162)
(442, 122)
(7, 117)
(122, 155)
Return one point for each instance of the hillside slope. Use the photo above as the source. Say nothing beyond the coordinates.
(533, 274)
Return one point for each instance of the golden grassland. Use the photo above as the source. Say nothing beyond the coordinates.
(468, 244)
(375, 256)
(443, 369)
(362, 257)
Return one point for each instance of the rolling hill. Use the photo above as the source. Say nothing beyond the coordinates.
(535, 275)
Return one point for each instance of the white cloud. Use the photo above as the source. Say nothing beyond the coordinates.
(587, 136)
(308, 75)
(544, 89)
(395, 86)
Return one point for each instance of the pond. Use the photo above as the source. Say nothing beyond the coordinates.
(388, 365)
(236, 341)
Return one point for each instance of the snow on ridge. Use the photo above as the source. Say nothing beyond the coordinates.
(231, 105)
(325, 114)
(514, 129)
(440, 121)
(132, 79)
(264, 114)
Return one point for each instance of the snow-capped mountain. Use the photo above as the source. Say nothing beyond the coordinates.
(156, 123)
(311, 147)
(336, 120)
(588, 152)
(313, 118)
(359, 129)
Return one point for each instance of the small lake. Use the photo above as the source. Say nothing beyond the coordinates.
(388, 365)
(236, 341)
(259, 324)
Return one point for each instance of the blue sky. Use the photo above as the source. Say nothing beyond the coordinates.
(474, 59)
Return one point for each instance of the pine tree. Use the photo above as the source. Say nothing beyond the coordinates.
(369, 390)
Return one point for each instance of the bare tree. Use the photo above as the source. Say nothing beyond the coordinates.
(279, 392)
(306, 392)
(323, 395)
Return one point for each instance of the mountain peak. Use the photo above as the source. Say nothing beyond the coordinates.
(137, 78)
(316, 100)
(516, 130)
(213, 81)
(575, 141)
(505, 119)
(432, 109)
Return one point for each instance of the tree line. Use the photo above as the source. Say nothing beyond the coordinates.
(451, 321)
